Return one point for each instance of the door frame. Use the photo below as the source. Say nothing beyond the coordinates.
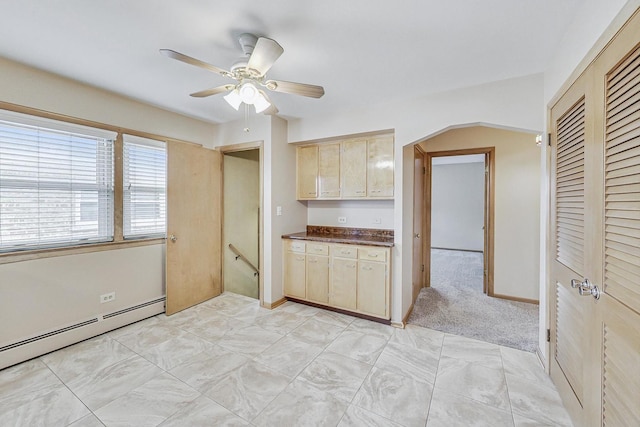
(235, 148)
(489, 212)
(419, 151)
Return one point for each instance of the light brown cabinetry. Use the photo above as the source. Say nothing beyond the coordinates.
(307, 172)
(329, 171)
(354, 169)
(359, 168)
(317, 282)
(380, 167)
(295, 269)
(350, 277)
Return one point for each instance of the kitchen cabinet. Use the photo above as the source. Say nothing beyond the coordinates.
(351, 169)
(349, 277)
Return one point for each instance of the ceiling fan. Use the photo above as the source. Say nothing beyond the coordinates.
(249, 72)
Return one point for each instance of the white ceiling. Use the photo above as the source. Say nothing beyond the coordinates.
(363, 52)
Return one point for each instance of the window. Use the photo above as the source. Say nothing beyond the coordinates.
(144, 192)
(56, 183)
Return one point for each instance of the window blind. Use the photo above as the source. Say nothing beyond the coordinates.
(145, 187)
(56, 183)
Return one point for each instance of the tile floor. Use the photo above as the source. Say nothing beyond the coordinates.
(229, 362)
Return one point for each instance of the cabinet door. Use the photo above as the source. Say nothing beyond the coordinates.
(294, 274)
(354, 169)
(343, 283)
(318, 278)
(307, 172)
(380, 167)
(329, 171)
(372, 288)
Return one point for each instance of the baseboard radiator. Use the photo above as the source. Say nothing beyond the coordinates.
(48, 341)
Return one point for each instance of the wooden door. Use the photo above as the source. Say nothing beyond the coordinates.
(570, 261)
(372, 288)
(344, 274)
(380, 167)
(354, 169)
(418, 216)
(596, 223)
(318, 278)
(307, 172)
(329, 171)
(295, 274)
(193, 252)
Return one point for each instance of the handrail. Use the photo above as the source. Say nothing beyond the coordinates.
(244, 258)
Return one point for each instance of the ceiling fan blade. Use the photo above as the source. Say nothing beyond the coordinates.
(265, 53)
(303, 89)
(212, 91)
(272, 110)
(192, 61)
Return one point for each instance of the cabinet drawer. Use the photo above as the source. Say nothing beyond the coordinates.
(344, 251)
(372, 254)
(295, 246)
(317, 249)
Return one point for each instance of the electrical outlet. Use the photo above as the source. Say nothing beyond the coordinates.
(377, 220)
(278, 210)
(342, 219)
(111, 296)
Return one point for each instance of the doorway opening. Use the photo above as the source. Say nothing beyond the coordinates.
(459, 218)
(242, 197)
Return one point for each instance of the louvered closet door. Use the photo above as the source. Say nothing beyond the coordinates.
(595, 360)
(569, 219)
(618, 311)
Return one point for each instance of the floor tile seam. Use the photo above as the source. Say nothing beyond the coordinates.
(435, 378)
(550, 386)
(383, 348)
(505, 411)
(270, 402)
(373, 411)
(506, 385)
(72, 393)
(410, 377)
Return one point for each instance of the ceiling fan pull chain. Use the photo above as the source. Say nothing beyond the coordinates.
(246, 118)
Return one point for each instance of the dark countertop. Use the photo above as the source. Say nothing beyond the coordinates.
(343, 235)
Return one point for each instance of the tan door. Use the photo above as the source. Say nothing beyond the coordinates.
(596, 226)
(353, 166)
(329, 171)
(418, 210)
(193, 226)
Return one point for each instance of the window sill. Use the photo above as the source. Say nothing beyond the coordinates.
(28, 255)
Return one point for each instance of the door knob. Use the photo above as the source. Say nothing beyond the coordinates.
(417, 235)
(586, 288)
(173, 238)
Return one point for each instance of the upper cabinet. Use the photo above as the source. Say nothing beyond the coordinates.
(307, 172)
(359, 168)
(329, 171)
(380, 167)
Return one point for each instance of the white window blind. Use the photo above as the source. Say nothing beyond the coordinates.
(145, 187)
(56, 183)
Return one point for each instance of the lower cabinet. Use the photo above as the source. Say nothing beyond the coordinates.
(349, 277)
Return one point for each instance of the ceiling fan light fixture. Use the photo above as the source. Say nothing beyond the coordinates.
(261, 103)
(233, 98)
(248, 93)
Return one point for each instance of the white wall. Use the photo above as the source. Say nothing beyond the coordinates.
(457, 206)
(46, 294)
(359, 213)
(517, 203)
(513, 103)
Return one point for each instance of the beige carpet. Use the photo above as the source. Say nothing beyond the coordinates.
(455, 304)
